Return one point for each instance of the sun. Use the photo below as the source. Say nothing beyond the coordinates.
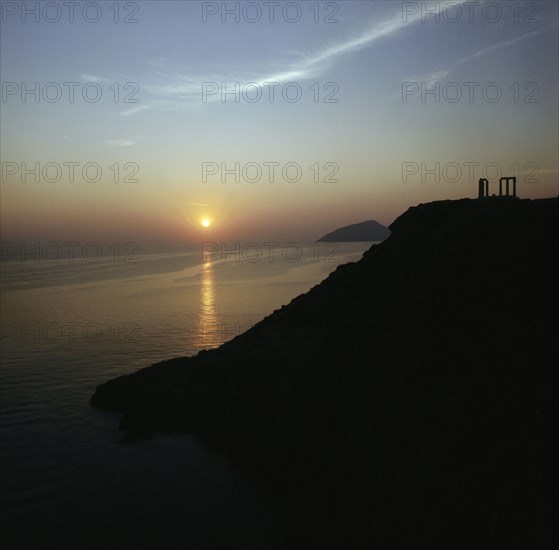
(206, 222)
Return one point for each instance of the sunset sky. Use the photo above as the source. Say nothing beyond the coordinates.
(360, 127)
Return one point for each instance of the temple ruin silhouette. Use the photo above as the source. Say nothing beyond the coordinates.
(510, 191)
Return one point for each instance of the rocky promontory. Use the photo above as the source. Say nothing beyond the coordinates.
(404, 402)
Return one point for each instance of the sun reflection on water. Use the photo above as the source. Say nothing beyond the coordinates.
(209, 330)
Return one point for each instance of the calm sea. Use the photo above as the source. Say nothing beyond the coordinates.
(69, 325)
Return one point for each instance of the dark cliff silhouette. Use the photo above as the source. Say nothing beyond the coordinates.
(405, 402)
(364, 231)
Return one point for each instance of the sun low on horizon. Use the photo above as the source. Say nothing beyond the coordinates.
(257, 224)
(165, 142)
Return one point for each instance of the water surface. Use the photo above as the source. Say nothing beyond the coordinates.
(66, 327)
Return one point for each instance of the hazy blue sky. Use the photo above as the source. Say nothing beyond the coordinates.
(365, 146)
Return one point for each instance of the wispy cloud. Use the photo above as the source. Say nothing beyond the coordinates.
(440, 74)
(134, 110)
(177, 91)
(92, 78)
(120, 142)
(498, 46)
(325, 56)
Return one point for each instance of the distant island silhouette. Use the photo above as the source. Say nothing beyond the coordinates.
(369, 230)
(404, 402)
